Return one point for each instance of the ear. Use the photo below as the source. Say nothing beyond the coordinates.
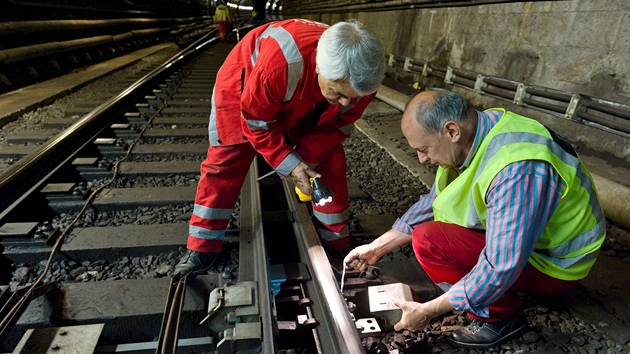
(317, 69)
(452, 130)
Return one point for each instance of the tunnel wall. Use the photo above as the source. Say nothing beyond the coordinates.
(579, 46)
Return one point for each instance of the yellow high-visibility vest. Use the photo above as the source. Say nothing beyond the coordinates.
(570, 242)
(221, 14)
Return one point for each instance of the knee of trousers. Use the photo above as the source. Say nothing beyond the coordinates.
(424, 239)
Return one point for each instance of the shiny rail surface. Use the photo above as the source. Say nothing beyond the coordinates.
(334, 333)
(337, 327)
(253, 264)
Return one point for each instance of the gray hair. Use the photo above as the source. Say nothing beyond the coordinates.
(350, 52)
(445, 106)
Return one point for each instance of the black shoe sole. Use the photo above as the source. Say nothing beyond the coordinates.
(193, 272)
(514, 334)
(198, 271)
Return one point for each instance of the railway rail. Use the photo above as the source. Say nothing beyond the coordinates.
(257, 299)
(311, 316)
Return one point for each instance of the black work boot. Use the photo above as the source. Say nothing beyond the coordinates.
(194, 261)
(485, 335)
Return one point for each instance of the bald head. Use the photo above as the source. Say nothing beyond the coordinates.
(441, 126)
(415, 109)
(434, 107)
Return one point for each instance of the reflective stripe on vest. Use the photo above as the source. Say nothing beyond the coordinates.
(221, 14)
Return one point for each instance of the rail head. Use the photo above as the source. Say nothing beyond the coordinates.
(335, 316)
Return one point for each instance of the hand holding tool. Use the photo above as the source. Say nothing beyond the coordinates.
(321, 194)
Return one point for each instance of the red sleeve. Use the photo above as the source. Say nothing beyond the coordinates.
(261, 101)
(316, 141)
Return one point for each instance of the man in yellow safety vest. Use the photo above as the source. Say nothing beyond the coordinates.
(513, 208)
(223, 20)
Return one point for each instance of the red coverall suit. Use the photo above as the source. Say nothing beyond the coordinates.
(265, 91)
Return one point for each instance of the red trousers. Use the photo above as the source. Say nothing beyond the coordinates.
(222, 176)
(447, 252)
(224, 30)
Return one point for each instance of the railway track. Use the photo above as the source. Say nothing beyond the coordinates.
(74, 173)
(109, 282)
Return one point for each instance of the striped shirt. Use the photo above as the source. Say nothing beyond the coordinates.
(521, 199)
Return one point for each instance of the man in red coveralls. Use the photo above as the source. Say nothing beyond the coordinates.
(223, 20)
(291, 91)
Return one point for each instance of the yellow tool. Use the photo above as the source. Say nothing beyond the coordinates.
(321, 194)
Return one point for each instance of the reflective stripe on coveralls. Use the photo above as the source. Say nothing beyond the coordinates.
(291, 53)
(231, 152)
(331, 219)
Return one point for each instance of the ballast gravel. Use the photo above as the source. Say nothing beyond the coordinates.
(392, 189)
(553, 328)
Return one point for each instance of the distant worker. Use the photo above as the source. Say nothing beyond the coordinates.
(223, 20)
(289, 91)
(512, 209)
